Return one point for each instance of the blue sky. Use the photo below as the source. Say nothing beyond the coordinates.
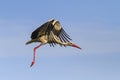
(92, 24)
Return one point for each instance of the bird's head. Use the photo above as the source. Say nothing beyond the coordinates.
(73, 45)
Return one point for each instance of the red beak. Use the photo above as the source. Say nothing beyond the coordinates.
(74, 45)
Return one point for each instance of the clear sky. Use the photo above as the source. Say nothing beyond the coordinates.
(92, 24)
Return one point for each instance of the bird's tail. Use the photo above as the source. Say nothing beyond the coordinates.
(31, 41)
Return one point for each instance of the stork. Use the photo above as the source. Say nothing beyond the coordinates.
(50, 32)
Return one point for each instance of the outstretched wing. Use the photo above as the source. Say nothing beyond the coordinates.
(59, 32)
(42, 30)
(54, 27)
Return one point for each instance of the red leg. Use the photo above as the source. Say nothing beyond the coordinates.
(34, 55)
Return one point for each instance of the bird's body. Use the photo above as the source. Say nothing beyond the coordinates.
(50, 32)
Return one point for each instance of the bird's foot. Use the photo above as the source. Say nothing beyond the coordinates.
(32, 63)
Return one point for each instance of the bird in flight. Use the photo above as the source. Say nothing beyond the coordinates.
(50, 32)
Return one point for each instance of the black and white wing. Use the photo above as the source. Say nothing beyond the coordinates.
(54, 27)
(59, 32)
(42, 30)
